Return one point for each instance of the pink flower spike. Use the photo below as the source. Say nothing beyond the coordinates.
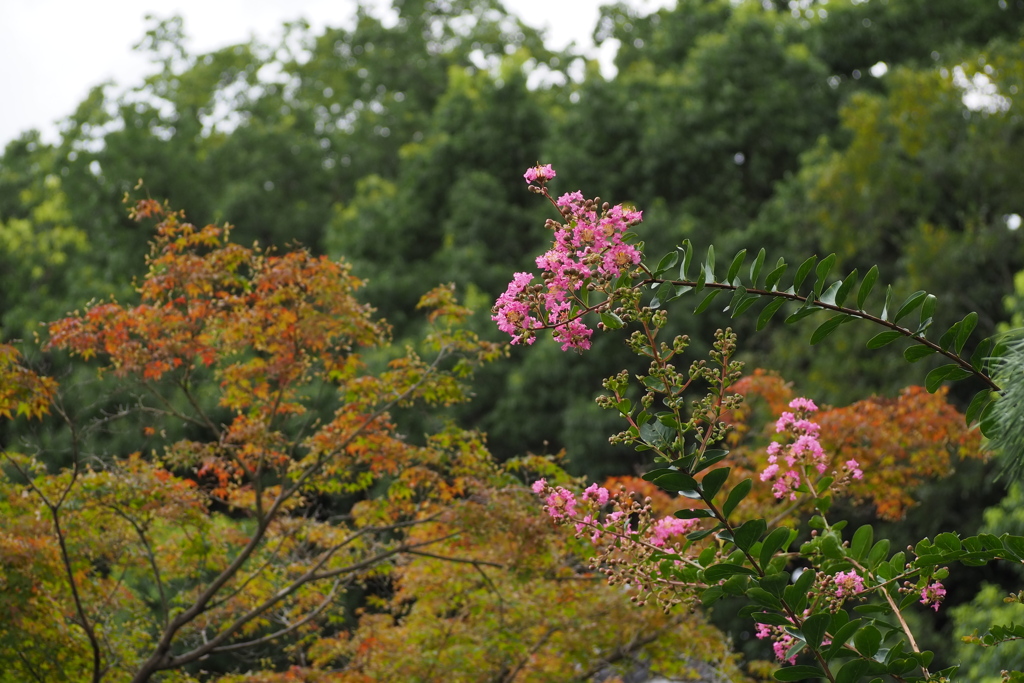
(933, 594)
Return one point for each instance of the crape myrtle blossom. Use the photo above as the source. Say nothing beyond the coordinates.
(932, 595)
(789, 464)
(562, 506)
(588, 248)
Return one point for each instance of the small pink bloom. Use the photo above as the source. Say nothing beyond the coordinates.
(933, 594)
(855, 470)
(848, 583)
(539, 485)
(596, 493)
(539, 173)
(803, 404)
(667, 527)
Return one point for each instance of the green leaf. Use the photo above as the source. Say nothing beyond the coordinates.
(798, 673)
(684, 267)
(734, 267)
(737, 298)
(840, 637)
(947, 338)
(831, 547)
(978, 403)
(768, 311)
(755, 268)
(748, 533)
(888, 303)
(747, 301)
(713, 481)
(861, 541)
(865, 287)
(697, 513)
(916, 353)
(666, 262)
(883, 338)
(829, 295)
(707, 301)
(852, 671)
(773, 277)
(776, 539)
(822, 271)
(928, 308)
(709, 264)
(980, 357)
(867, 640)
(828, 327)
(711, 595)
(814, 628)
(738, 493)
(967, 326)
(846, 288)
(717, 572)
(802, 312)
(677, 481)
(879, 552)
(700, 282)
(951, 372)
(611, 321)
(803, 271)
(912, 302)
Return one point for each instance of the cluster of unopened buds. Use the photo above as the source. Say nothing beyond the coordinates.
(802, 453)
(588, 250)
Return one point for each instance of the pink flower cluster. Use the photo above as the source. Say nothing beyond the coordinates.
(562, 505)
(932, 595)
(848, 583)
(588, 245)
(783, 641)
(803, 452)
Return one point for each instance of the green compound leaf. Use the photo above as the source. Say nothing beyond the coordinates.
(912, 302)
(768, 311)
(738, 493)
(883, 338)
(916, 353)
(828, 327)
(802, 272)
(866, 286)
(734, 267)
(755, 267)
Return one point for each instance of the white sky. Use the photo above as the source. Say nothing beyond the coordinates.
(53, 51)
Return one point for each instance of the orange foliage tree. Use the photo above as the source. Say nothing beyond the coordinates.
(900, 443)
(275, 488)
